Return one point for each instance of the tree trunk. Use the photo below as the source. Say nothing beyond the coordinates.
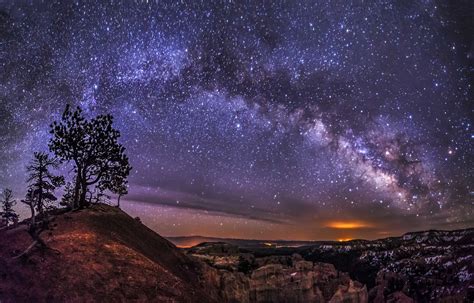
(34, 232)
(40, 193)
(82, 200)
(27, 250)
(118, 200)
(75, 203)
(33, 215)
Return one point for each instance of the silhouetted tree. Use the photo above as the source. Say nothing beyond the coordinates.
(68, 197)
(41, 181)
(31, 202)
(97, 196)
(34, 228)
(93, 147)
(121, 189)
(41, 187)
(8, 214)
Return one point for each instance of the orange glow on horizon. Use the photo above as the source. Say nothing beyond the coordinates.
(344, 239)
(185, 246)
(348, 224)
(189, 243)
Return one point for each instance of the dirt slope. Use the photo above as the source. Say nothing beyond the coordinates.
(102, 255)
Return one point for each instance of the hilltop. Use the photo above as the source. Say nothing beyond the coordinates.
(98, 254)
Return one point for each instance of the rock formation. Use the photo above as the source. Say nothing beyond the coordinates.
(279, 279)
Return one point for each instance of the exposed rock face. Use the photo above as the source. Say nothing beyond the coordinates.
(430, 266)
(275, 283)
(351, 293)
(304, 282)
(301, 281)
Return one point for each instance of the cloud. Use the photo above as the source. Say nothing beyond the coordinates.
(225, 206)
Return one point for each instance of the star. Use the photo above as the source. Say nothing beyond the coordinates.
(345, 111)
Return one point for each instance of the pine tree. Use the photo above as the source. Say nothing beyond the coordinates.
(31, 202)
(121, 189)
(93, 147)
(34, 229)
(41, 187)
(9, 215)
(97, 196)
(42, 182)
(68, 197)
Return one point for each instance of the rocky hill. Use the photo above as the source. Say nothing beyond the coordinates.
(98, 254)
(101, 254)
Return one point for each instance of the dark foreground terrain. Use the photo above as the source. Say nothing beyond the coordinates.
(101, 254)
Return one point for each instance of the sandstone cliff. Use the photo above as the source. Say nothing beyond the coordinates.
(276, 278)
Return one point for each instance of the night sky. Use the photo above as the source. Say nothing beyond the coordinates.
(271, 120)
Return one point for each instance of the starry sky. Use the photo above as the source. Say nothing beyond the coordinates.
(302, 120)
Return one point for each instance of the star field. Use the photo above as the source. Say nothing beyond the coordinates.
(257, 120)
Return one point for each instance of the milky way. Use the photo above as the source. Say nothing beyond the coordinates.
(268, 120)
